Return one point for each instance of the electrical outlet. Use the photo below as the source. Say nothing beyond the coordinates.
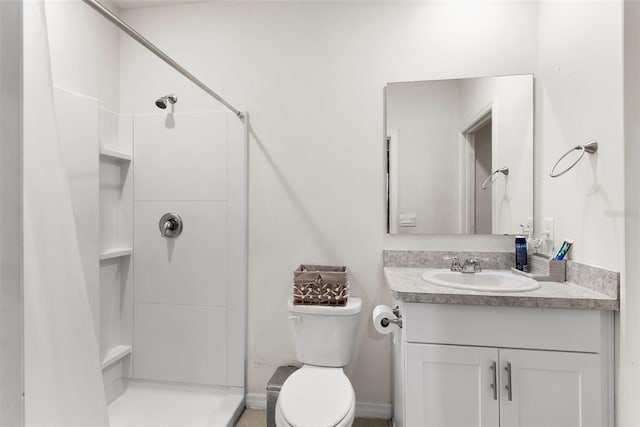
(548, 227)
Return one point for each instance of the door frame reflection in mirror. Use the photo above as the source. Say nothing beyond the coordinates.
(468, 178)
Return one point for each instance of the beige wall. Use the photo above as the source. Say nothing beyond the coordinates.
(579, 98)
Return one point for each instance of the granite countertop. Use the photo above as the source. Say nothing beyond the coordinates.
(407, 285)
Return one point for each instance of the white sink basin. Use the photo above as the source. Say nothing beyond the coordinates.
(485, 281)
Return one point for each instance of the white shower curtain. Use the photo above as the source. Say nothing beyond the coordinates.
(63, 380)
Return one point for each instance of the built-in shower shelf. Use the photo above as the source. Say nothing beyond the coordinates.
(115, 253)
(117, 155)
(115, 354)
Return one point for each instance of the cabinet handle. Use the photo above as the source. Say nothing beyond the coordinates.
(509, 387)
(494, 385)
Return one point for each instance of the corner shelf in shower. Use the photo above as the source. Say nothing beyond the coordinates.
(115, 253)
(116, 155)
(116, 353)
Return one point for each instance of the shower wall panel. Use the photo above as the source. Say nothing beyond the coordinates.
(182, 343)
(188, 270)
(181, 157)
(184, 288)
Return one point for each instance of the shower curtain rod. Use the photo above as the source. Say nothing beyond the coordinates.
(160, 54)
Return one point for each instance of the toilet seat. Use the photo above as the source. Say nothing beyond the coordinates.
(316, 396)
(347, 421)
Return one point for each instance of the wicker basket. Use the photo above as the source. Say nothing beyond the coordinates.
(320, 285)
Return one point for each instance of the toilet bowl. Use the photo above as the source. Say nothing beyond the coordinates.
(320, 394)
(316, 397)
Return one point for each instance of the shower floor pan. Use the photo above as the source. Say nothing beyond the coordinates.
(146, 403)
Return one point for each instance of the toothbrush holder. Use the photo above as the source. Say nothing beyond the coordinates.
(543, 269)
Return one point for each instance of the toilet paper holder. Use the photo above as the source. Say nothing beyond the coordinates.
(397, 321)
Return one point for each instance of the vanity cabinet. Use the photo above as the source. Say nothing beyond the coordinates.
(486, 366)
(477, 386)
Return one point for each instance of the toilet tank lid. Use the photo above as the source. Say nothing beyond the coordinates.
(353, 306)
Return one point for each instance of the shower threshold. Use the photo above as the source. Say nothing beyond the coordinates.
(158, 404)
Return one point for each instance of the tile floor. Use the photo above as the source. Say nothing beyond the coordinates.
(258, 418)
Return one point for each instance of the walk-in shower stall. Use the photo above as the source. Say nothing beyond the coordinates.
(135, 257)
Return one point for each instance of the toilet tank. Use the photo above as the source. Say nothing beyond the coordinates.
(325, 335)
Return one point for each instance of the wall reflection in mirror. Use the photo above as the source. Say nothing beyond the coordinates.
(460, 155)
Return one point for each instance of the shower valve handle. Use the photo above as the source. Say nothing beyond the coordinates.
(170, 225)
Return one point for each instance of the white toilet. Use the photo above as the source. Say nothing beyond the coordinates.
(319, 394)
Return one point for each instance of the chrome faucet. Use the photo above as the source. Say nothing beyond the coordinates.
(455, 263)
(471, 265)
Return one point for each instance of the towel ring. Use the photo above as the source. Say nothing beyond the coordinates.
(590, 147)
(490, 179)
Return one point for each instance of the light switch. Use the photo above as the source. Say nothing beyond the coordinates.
(408, 220)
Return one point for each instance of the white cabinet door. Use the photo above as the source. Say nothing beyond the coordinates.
(550, 389)
(450, 386)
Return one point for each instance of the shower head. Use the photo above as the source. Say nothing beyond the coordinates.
(166, 100)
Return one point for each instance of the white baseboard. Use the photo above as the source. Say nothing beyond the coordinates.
(381, 411)
(256, 401)
(363, 409)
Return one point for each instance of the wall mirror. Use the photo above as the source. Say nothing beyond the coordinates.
(460, 155)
